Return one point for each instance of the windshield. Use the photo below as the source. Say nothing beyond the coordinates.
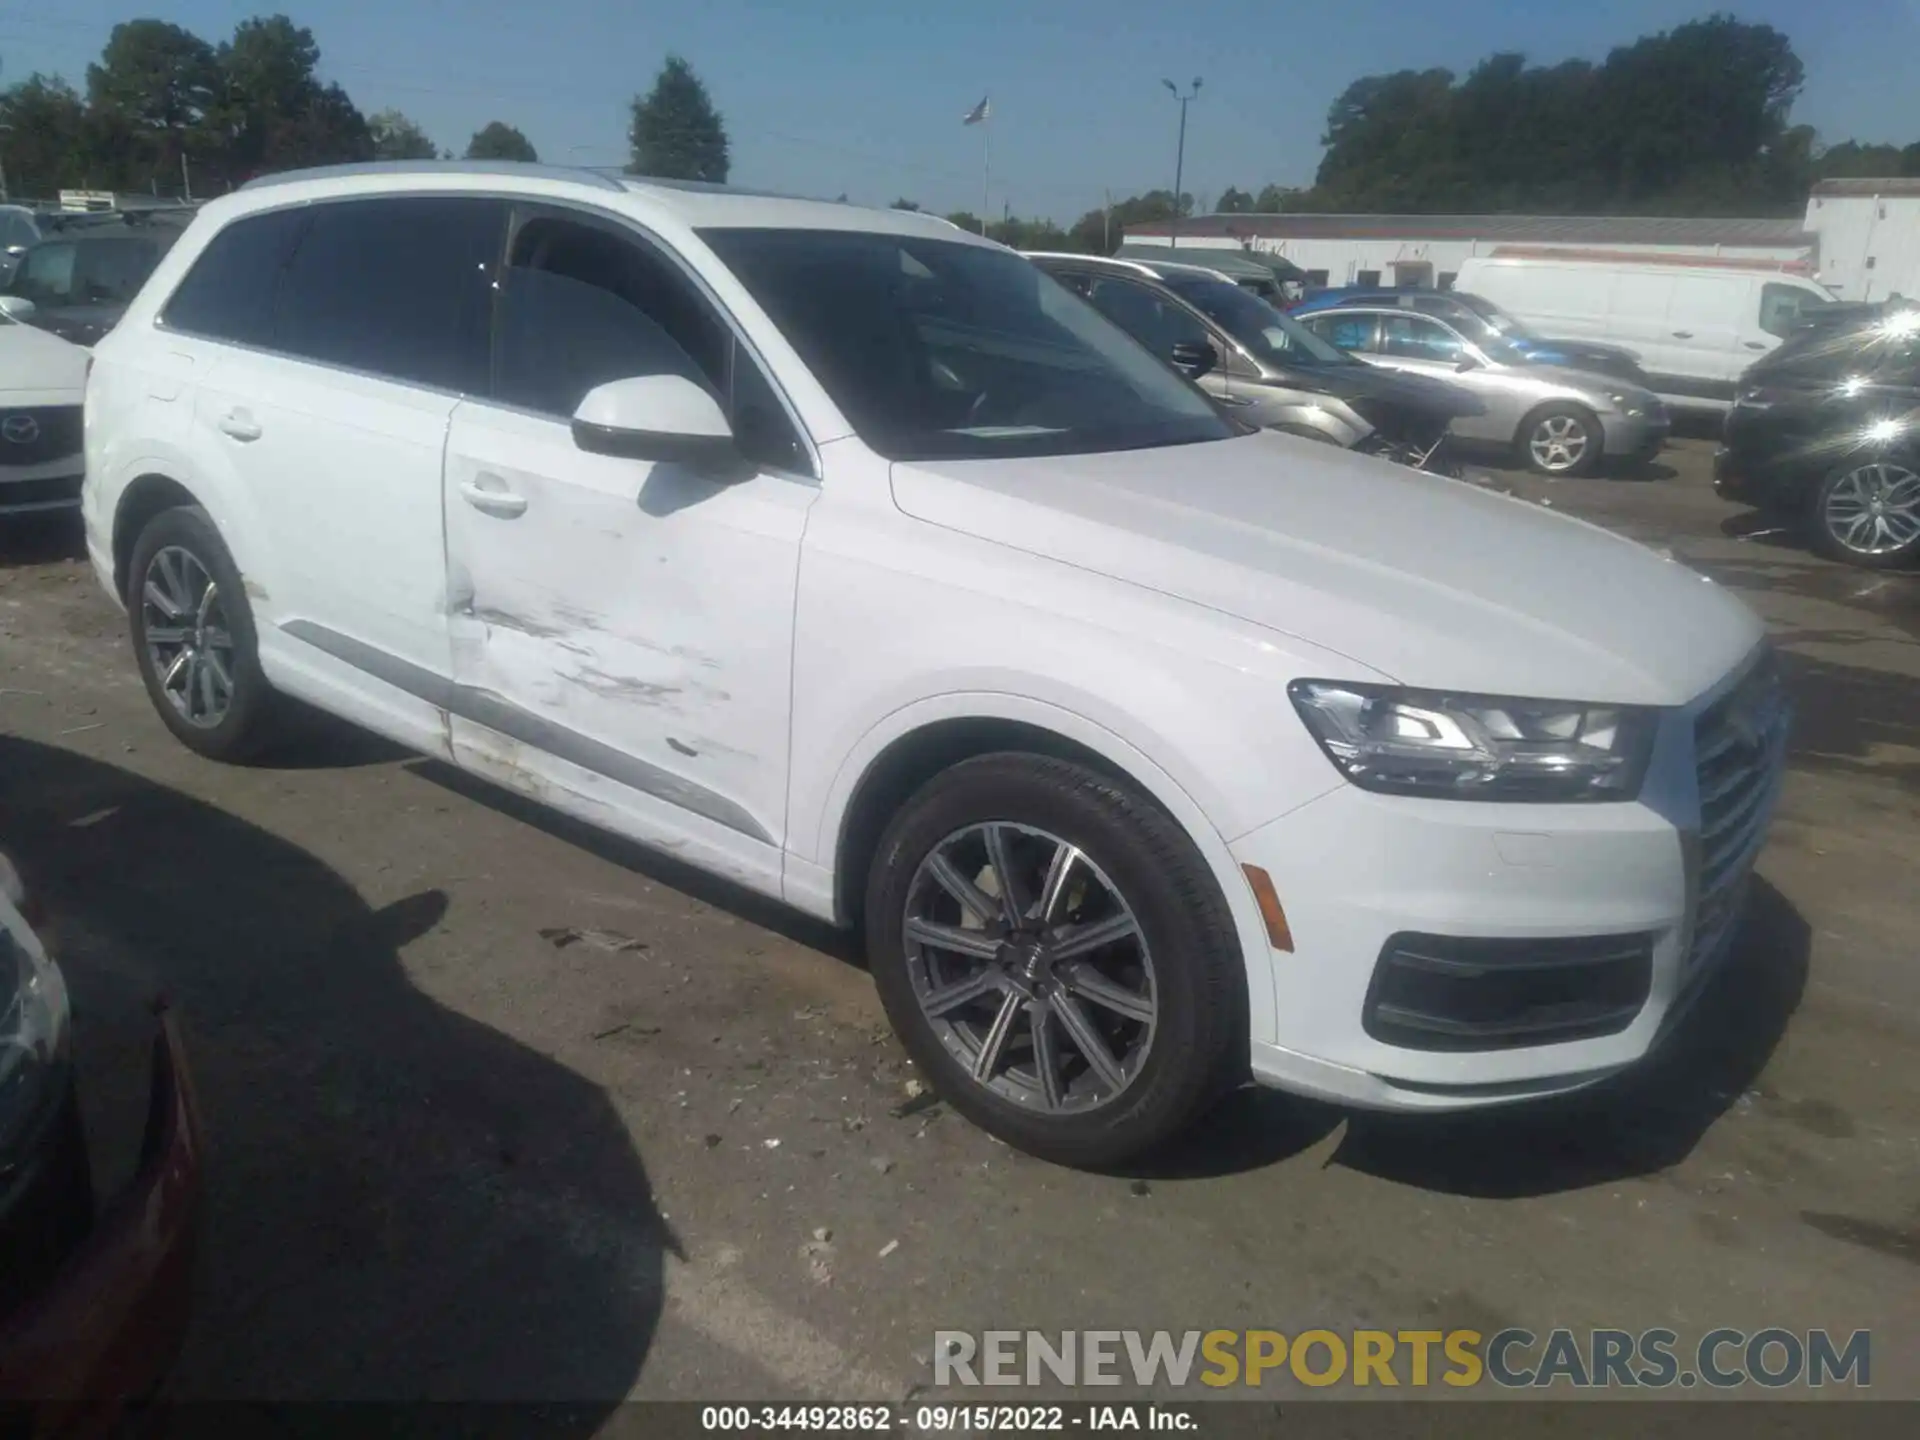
(941, 349)
(1268, 335)
(1498, 321)
(85, 272)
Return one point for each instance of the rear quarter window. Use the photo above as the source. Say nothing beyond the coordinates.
(228, 294)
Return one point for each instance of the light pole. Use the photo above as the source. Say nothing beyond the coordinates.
(1180, 156)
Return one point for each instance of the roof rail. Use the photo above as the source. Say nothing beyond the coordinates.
(574, 173)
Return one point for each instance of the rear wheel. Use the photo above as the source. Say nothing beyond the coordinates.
(1869, 514)
(1056, 957)
(1560, 440)
(193, 637)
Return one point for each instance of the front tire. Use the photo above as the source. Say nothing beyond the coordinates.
(1056, 957)
(1561, 440)
(1868, 514)
(194, 639)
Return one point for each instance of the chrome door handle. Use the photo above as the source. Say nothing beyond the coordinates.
(501, 503)
(1683, 334)
(240, 425)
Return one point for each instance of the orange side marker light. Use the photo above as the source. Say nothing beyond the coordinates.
(1279, 934)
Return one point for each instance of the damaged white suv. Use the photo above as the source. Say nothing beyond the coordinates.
(851, 558)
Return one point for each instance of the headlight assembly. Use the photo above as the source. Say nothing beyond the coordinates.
(33, 1039)
(1477, 747)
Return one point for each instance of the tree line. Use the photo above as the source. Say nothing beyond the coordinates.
(167, 112)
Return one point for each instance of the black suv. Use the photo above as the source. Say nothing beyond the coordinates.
(1827, 429)
(83, 275)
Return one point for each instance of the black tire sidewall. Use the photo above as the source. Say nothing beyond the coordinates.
(1827, 544)
(1596, 439)
(1199, 979)
(242, 729)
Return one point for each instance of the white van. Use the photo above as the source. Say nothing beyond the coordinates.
(1696, 323)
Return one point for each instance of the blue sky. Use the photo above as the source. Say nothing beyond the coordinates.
(866, 96)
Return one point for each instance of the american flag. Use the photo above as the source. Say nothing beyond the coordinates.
(978, 113)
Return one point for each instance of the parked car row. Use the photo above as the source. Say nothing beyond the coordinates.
(854, 559)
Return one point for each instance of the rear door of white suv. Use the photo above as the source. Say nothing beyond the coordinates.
(327, 411)
(623, 629)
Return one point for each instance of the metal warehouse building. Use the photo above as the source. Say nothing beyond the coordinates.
(1869, 234)
(1429, 249)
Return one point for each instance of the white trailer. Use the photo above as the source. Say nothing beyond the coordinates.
(1869, 233)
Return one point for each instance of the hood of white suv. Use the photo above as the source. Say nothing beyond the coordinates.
(39, 369)
(1434, 582)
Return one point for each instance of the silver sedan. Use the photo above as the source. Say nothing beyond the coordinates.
(1559, 421)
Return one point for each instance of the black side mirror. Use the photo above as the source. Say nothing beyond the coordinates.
(1195, 358)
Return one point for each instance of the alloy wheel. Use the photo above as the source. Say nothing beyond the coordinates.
(1874, 510)
(1558, 442)
(189, 643)
(1031, 967)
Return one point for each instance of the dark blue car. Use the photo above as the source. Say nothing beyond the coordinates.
(1480, 319)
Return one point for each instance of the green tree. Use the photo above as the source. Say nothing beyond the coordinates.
(45, 136)
(395, 137)
(1233, 201)
(1690, 120)
(150, 98)
(905, 205)
(676, 133)
(498, 141)
(273, 112)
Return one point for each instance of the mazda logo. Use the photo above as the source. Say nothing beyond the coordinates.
(19, 429)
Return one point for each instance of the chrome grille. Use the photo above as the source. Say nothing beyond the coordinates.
(1740, 746)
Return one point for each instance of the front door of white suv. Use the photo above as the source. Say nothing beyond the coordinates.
(622, 629)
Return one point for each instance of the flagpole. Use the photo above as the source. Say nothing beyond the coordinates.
(986, 168)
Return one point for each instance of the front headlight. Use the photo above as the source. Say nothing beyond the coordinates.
(1477, 747)
(33, 1036)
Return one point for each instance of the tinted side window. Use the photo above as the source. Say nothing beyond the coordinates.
(45, 276)
(396, 286)
(228, 294)
(1349, 332)
(1151, 318)
(16, 230)
(582, 306)
(1780, 308)
(1413, 338)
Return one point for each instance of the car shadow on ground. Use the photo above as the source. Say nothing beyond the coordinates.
(1646, 1121)
(402, 1203)
(41, 538)
(709, 889)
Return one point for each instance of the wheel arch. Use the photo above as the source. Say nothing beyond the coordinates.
(145, 496)
(914, 745)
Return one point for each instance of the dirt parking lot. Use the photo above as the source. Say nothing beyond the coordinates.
(500, 1108)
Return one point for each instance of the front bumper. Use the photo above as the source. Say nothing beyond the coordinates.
(49, 485)
(1362, 875)
(1635, 437)
(104, 1331)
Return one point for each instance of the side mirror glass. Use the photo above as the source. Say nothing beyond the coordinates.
(1466, 363)
(1195, 358)
(657, 417)
(16, 307)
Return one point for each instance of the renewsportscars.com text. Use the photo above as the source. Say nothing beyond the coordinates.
(1772, 1358)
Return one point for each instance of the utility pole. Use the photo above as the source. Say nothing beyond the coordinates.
(186, 180)
(1180, 157)
(1106, 223)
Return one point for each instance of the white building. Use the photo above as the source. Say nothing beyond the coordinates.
(1869, 234)
(1428, 249)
